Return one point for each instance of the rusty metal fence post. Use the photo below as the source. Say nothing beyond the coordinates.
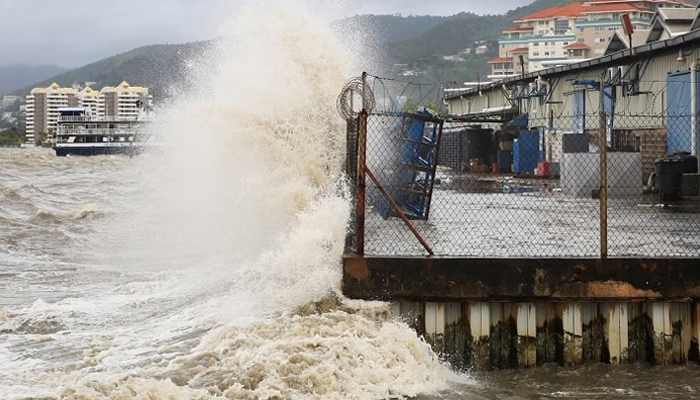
(351, 172)
(603, 192)
(361, 183)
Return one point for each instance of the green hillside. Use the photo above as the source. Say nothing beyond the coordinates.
(426, 50)
(389, 28)
(422, 42)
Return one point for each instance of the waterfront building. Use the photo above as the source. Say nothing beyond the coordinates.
(122, 102)
(42, 109)
(570, 33)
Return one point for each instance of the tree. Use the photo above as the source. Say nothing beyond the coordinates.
(11, 137)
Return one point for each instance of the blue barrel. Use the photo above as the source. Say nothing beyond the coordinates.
(526, 152)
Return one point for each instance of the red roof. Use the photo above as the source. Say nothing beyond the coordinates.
(612, 7)
(685, 2)
(569, 10)
(576, 46)
(500, 60)
(520, 50)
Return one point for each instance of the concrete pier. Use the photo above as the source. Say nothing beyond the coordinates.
(517, 313)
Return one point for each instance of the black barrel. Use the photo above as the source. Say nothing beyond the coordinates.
(669, 171)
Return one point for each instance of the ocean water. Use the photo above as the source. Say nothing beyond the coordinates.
(212, 269)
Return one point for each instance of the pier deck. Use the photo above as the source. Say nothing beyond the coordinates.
(501, 267)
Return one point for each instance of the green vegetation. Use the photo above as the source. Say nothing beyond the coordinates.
(389, 28)
(423, 42)
(12, 136)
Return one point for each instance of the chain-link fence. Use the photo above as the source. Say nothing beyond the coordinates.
(526, 187)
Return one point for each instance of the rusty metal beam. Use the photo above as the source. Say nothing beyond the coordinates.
(398, 210)
(361, 183)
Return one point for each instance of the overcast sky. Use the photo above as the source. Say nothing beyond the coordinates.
(77, 32)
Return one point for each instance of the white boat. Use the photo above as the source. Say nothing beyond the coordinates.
(79, 134)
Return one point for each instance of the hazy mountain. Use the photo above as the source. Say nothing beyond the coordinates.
(17, 76)
(158, 67)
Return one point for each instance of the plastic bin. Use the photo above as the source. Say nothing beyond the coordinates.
(669, 171)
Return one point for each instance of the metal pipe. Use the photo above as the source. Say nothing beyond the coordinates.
(364, 91)
(694, 108)
(603, 192)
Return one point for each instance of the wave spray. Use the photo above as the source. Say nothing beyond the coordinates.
(216, 274)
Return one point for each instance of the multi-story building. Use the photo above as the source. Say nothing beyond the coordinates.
(42, 109)
(570, 33)
(122, 102)
(111, 103)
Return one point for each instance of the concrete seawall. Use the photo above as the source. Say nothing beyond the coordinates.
(516, 313)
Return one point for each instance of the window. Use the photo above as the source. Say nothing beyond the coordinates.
(565, 43)
(561, 26)
(536, 44)
(535, 53)
(546, 53)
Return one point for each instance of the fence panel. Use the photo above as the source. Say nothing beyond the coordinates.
(527, 187)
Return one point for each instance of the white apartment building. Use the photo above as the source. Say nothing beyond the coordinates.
(570, 33)
(42, 109)
(122, 102)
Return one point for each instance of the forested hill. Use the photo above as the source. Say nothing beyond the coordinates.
(422, 42)
(159, 67)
